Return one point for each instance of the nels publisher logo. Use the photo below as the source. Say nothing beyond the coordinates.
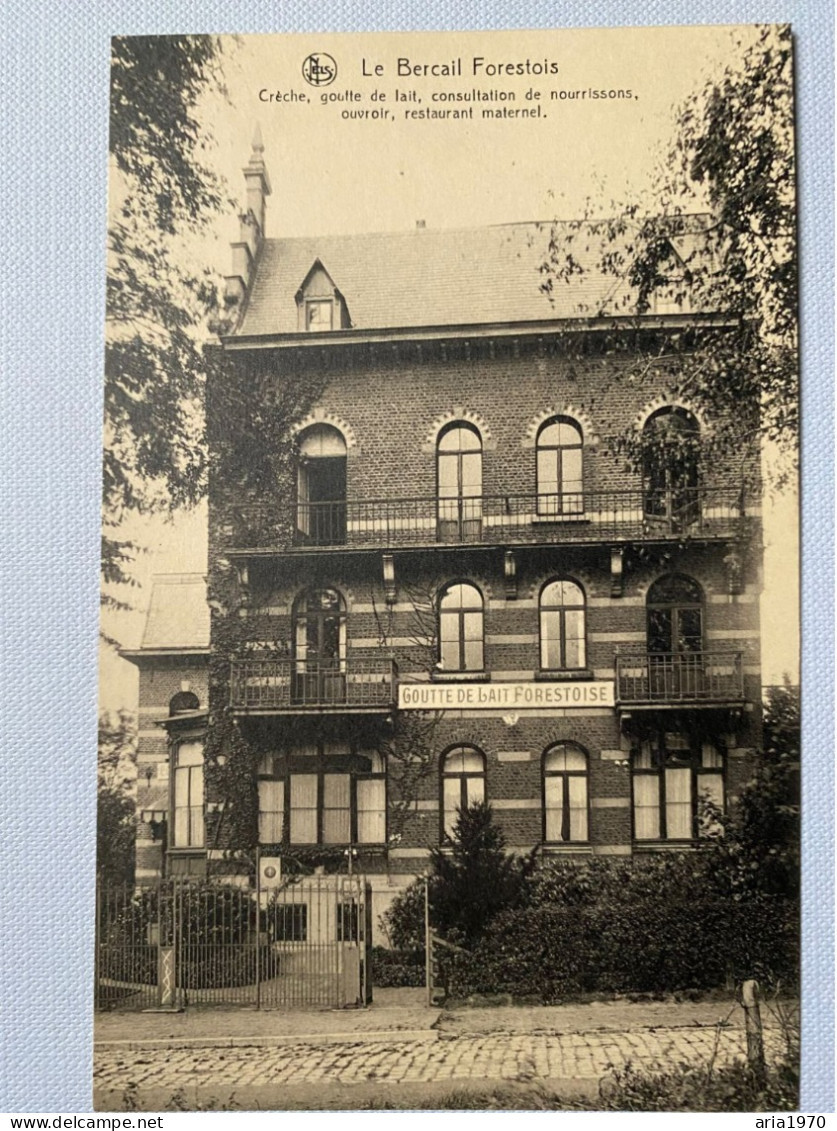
(319, 69)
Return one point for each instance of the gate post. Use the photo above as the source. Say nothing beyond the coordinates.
(167, 953)
(258, 925)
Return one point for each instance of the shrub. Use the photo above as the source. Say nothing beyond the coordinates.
(688, 1088)
(657, 926)
(403, 920)
(397, 967)
(473, 878)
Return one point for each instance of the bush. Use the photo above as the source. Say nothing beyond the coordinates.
(689, 1088)
(403, 920)
(601, 927)
(397, 967)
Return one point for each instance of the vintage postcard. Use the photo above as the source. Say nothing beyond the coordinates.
(450, 573)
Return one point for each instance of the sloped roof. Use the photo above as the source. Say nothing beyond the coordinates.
(468, 276)
(178, 615)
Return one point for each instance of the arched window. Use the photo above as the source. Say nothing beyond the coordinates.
(319, 628)
(675, 615)
(321, 486)
(560, 457)
(672, 774)
(565, 793)
(671, 447)
(461, 628)
(459, 478)
(563, 644)
(463, 783)
(184, 700)
(674, 609)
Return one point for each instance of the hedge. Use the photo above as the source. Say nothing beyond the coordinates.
(557, 951)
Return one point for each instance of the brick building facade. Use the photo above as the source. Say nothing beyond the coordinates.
(455, 587)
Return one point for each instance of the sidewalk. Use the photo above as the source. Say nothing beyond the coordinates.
(403, 1013)
(400, 1012)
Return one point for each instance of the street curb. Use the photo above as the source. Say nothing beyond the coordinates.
(424, 1036)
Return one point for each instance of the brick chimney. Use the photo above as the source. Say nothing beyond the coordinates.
(252, 224)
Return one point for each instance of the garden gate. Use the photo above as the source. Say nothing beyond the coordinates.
(183, 941)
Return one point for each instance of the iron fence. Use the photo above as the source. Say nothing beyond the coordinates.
(626, 515)
(186, 942)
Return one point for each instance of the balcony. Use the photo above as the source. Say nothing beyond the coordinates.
(674, 679)
(591, 517)
(290, 687)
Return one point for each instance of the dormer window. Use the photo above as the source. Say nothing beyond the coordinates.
(320, 305)
(319, 314)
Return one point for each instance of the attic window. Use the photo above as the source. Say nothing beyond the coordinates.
(319, 314)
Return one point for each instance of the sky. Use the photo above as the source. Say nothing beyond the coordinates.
(337, 175)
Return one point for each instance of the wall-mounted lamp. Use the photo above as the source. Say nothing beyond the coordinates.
(510, 574)
(389, 578)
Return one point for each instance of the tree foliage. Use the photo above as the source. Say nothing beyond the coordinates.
(163, 191)
(732, 150)
(473, 879)
(760, 848)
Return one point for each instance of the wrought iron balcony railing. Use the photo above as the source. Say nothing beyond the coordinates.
(288, 686)
(679, 677)
(580, 517)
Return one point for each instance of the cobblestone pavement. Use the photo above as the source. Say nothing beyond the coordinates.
(486, 1057)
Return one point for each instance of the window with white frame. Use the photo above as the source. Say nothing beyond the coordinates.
(459, 483)
(188, 794)
(676, 780)
(565, 801)
(562, 626)
(463, 783)
(325, 795)
(461, 628)
(560, 459)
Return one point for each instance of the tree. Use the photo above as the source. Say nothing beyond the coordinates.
(732, 147)
(163, 191)
(472, 878)
(115, 808)
(760, 849)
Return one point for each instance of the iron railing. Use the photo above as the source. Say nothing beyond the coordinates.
(680, 677)
(299, 685)
(304, 941)
(581, 517)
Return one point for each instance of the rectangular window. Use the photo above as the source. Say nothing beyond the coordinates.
(337, 816)
(271, 811)
(303, 809)
(678, 803)
(472, 631)
(647, 807)
(578, 807)
(290, 922)
(554, 803)
(371, 810)
(452, 796)
(319, 315)
(569, 825)
(188, 823)
(574, 629)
